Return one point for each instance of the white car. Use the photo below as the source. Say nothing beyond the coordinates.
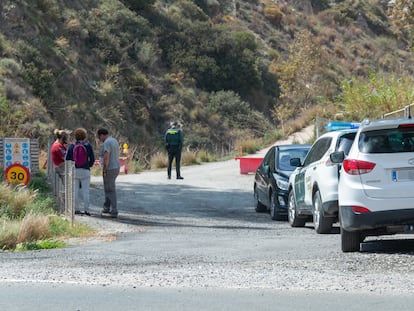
(313, 186)
(376, 186)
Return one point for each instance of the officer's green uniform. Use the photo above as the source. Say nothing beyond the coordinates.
(174, 142)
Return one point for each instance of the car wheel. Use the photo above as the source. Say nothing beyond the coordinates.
(350, 240)
(321, 223)
(293, 219)
(274, 208)
(259, 207)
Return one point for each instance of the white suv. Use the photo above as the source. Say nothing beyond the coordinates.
(376, 186)
(313, 186)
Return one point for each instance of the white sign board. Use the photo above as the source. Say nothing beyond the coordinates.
(17, 150)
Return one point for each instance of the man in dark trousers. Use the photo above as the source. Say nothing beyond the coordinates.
(174, 143)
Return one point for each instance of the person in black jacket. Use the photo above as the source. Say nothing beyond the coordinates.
(174, 142)
(83, 173)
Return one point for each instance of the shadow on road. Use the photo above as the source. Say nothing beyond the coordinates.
(403, 246)
(335, 228)
(183, 205)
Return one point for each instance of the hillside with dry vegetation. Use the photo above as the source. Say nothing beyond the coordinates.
(229, 71)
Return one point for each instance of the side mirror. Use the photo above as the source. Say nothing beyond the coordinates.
(337, 157)
(295, 162)
(266, 169)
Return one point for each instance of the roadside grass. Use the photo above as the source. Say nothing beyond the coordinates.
(160, 160)
(28, 219)
(250, 146)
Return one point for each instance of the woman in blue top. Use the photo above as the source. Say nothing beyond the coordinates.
(84, 160)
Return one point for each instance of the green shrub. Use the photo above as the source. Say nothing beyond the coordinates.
(189, 10)
(273, 14)
(42, 244)
(206, 156)
(38, 182)
(136, 166)
(13, 203)
(49, 7)
(8, 234)
(372, 97)
(42, 204)
(10, 67)
(42, 81)
(61, 227)
(5, 46)
(217, 57)
(39, 231)
(229, 106)
(249, 146)
(271, 136)
(137, 5)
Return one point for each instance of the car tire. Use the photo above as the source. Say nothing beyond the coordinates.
(321, 223)
(350, 241)
(259, 207)
(274, 208)
(293, 218)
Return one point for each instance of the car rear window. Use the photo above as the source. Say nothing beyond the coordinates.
(285, 156)
(387, 141)
(345, 142)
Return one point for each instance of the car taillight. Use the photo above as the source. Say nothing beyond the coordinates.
(357, 167)
(360, 209)
(408, 125)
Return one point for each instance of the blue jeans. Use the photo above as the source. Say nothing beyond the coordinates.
(82, 177)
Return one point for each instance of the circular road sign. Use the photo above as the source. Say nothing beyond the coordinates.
(17, 174)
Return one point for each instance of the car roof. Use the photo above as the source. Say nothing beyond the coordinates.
(293, 146)
(384, 123)
(338, 133)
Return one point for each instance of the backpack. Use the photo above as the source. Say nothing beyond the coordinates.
(80, 155)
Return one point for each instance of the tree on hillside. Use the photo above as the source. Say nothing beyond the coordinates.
(299, 73)
(373, 96)
(217, 58)
(137, 5)
(402, 15)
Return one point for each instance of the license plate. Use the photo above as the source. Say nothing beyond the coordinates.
(403, 175)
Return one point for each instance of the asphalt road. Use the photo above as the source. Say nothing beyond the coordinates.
(198, 244)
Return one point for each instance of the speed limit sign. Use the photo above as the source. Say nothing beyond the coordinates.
(17, 174)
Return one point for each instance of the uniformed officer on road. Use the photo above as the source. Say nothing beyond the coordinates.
(174, 142)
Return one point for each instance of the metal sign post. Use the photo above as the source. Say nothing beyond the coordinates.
(70, 190)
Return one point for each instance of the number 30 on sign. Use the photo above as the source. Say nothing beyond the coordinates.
(17, 174)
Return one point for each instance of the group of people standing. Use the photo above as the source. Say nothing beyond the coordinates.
(62, 151)
(81, 152)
